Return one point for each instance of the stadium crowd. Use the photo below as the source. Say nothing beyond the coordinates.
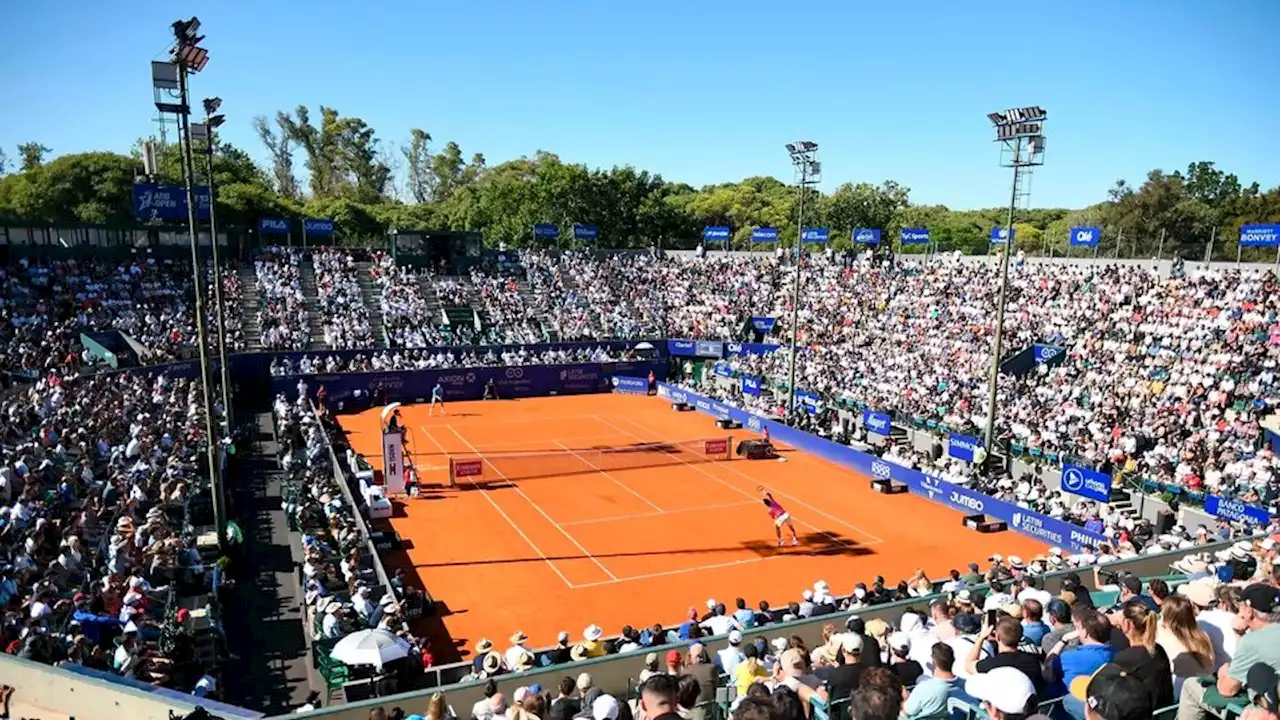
(344, 317)
(437, 358)
(407, 317)
(96, 474)
(283, 315)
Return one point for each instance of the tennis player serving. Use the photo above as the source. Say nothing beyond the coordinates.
(779, 515)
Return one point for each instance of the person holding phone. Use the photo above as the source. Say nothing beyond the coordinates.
(1063, 665)
(1006, 634)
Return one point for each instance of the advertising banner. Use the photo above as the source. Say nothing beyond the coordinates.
(962, 447)
(878, 423)
(586, 232)
(317, 226)
(867, 236)
(814, 235)
(808, 400)
(764, 235)
(393, 463)
(1260, 235)
(1086, 482)
(1049, 530)
(1045, 353)
(736, 349)
(1000, 236)
(627, 384)
(709, 349)
(723, 370)
(1236, 511)
(545, 231)
(273, 226)
(751, 385)
(168, 202)
(715, 233)
(1085, 236)
(682, 348)
(914, 236)
(763, 324)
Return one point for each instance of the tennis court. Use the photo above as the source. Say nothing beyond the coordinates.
(600, 534)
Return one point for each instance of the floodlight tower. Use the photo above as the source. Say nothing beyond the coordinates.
(808, 171)
(1020, 132)
(187, 57)
(204, 132)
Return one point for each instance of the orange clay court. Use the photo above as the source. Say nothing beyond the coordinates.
(643, 544)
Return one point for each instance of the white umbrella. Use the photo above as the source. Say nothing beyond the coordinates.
(643, 346)
(388, 410)
(370, 647)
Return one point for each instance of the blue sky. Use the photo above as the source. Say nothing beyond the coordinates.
(700, 92)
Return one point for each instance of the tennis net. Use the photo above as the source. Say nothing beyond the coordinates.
(489, 467)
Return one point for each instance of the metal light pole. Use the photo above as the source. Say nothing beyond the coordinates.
(804, 158)
(190, 58)
(211, 123)
(1020, 130)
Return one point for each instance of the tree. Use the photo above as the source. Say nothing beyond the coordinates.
(32, 154)
(279, 144)
(417, 155)
(4, 161)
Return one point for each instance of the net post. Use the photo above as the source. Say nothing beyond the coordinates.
(452, 480)
(728, 454)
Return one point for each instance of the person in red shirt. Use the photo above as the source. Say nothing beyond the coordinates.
(780, 517)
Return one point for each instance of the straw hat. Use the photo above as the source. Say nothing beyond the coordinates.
(592, 633)
(484, 646)
(519, 638)
(524, 662)
(492, 663)
(578, 653)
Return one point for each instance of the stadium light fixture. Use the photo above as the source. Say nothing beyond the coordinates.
(804, 158)
(211, 123)
(1020, 132)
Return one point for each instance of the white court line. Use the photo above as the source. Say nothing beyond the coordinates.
(497, 447)
(605, 473)
(727, 484)
(667, 573)
(594, 521)
(534, 504)
(504, 515)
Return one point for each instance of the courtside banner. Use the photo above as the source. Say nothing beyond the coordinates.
(393, 463)
(763, 324)
(1235, 511)
(735, 349)
(1041, 527)
(962, 447)
(764, 235)
(751, 385)
(878, 423)
(807, 399)
(682, 348)
(1086, 482)
(709, 349)
(461, 383)
(627, 384)
(723, 370)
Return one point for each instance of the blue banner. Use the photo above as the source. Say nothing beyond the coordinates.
(878, 423)
(736, 349)
(867, 236)
(682, 348)
(168, 202)
(628, 384)
(808, 400)
(1236, 511)
(1085, 236)
(962, 447)
(1000, 236)
(1052, 531)
(914, 236)
(764, 235)
(317, 226)
(751, 385)
(1085, 482)
(545, 231)
(1260, 235)
(273, 226)
(723, 370)
(715, 233)
(1045, 353)
(814, 235)
(462, 383)
(586, 232)
(763, 324)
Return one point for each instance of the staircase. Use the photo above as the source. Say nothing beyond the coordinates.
(251, 302)
(1122, 501)
(369, 294)
(428, 285)
(307, 278)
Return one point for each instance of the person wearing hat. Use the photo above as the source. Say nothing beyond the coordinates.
(1259, 618)
(698, 664)
(1004, 692)
(1264, 688)
(513, 654)
(1111, 693)
(591, 644)
(559, 654)
(483, 647)
(732, 654)
(907, 670)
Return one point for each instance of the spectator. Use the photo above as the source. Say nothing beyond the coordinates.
(1112, 693)
(565, 705)
(749, 671)
(687, 694)
(1007, 635)
(1034, 630)
(1063, 666)
(907, 670)
(1145, 659)
(658, 699)
(1006, 693)
(1259, 621)
(698, 664)
(1189, 648)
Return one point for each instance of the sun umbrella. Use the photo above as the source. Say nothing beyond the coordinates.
(370, 647)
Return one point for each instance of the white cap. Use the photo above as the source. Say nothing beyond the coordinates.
(735, 637)
(604, 707)
(899, 641)
(1006, 688)
(851, 642)
(807, 594)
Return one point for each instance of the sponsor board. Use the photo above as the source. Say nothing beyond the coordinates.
(963, 447)
(467, 468)
(716, 447)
